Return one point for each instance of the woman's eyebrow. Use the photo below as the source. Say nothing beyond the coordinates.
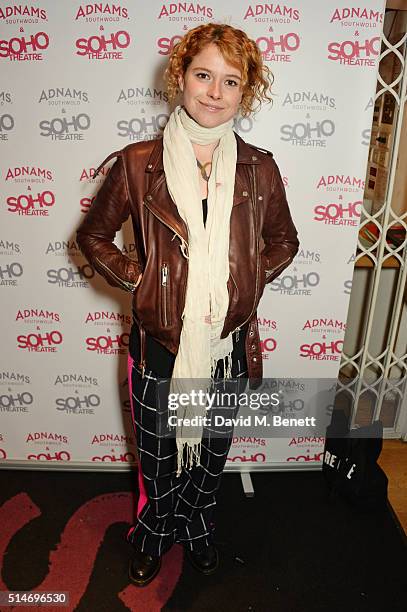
(235, 76)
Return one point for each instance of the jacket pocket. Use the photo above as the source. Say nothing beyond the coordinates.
(117, 281)
(165, 295)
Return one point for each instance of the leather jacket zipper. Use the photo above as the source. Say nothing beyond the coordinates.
(165, 294)
(125, 284)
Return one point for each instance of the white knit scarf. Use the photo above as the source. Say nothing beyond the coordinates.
(207, 298)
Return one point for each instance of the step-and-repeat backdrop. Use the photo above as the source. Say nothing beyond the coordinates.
(80, 80)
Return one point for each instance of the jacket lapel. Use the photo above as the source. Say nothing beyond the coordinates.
(159, 202)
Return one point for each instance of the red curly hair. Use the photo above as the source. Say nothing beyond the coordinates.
(237, 49)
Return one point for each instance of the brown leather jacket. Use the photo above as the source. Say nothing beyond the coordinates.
(263, 241)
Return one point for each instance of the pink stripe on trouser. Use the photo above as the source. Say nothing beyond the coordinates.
(142, 500)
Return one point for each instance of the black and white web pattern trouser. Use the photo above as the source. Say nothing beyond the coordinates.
(170, 508)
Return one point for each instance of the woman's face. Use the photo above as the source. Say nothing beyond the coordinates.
(211, 88)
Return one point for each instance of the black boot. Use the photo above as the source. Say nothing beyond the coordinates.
(205, 561)
(143, 568)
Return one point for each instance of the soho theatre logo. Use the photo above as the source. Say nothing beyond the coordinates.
(278, 47)
(32, 203)
(308, 133)
(78, 403)
(324, 349)
(16, 398)
(11, 273)
(67, 126)
(40, 341)
(343, 212)
(70, 276)
(359, 48)
(185, 11)
(108, 343)
(142, 127)
(24, 47)
(302, 277)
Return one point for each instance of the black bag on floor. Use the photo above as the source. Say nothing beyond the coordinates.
(350, 463)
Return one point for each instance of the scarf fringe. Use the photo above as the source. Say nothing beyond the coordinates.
(227, 366)
(192, 452)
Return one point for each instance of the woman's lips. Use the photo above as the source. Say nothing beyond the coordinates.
(211, 108)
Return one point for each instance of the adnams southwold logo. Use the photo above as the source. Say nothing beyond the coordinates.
(107, 318)
(63, 96)
(340, 182)
(265, 12)
(13, 14)
(308, 101)
(324, 325)
(185, 11)
(29, 174)
(356, 17)
(101, 11)
(76, 380)
(38, 316)
(13, 378)
(67, 248)
(142, 95)
(10, 247)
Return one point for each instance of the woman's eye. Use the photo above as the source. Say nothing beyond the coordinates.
(202, 75)
(231, 82)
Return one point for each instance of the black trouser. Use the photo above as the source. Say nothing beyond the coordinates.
(175, 508)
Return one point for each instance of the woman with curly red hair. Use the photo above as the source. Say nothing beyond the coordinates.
(212, 226)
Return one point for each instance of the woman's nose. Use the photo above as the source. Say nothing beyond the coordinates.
(214, 90)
